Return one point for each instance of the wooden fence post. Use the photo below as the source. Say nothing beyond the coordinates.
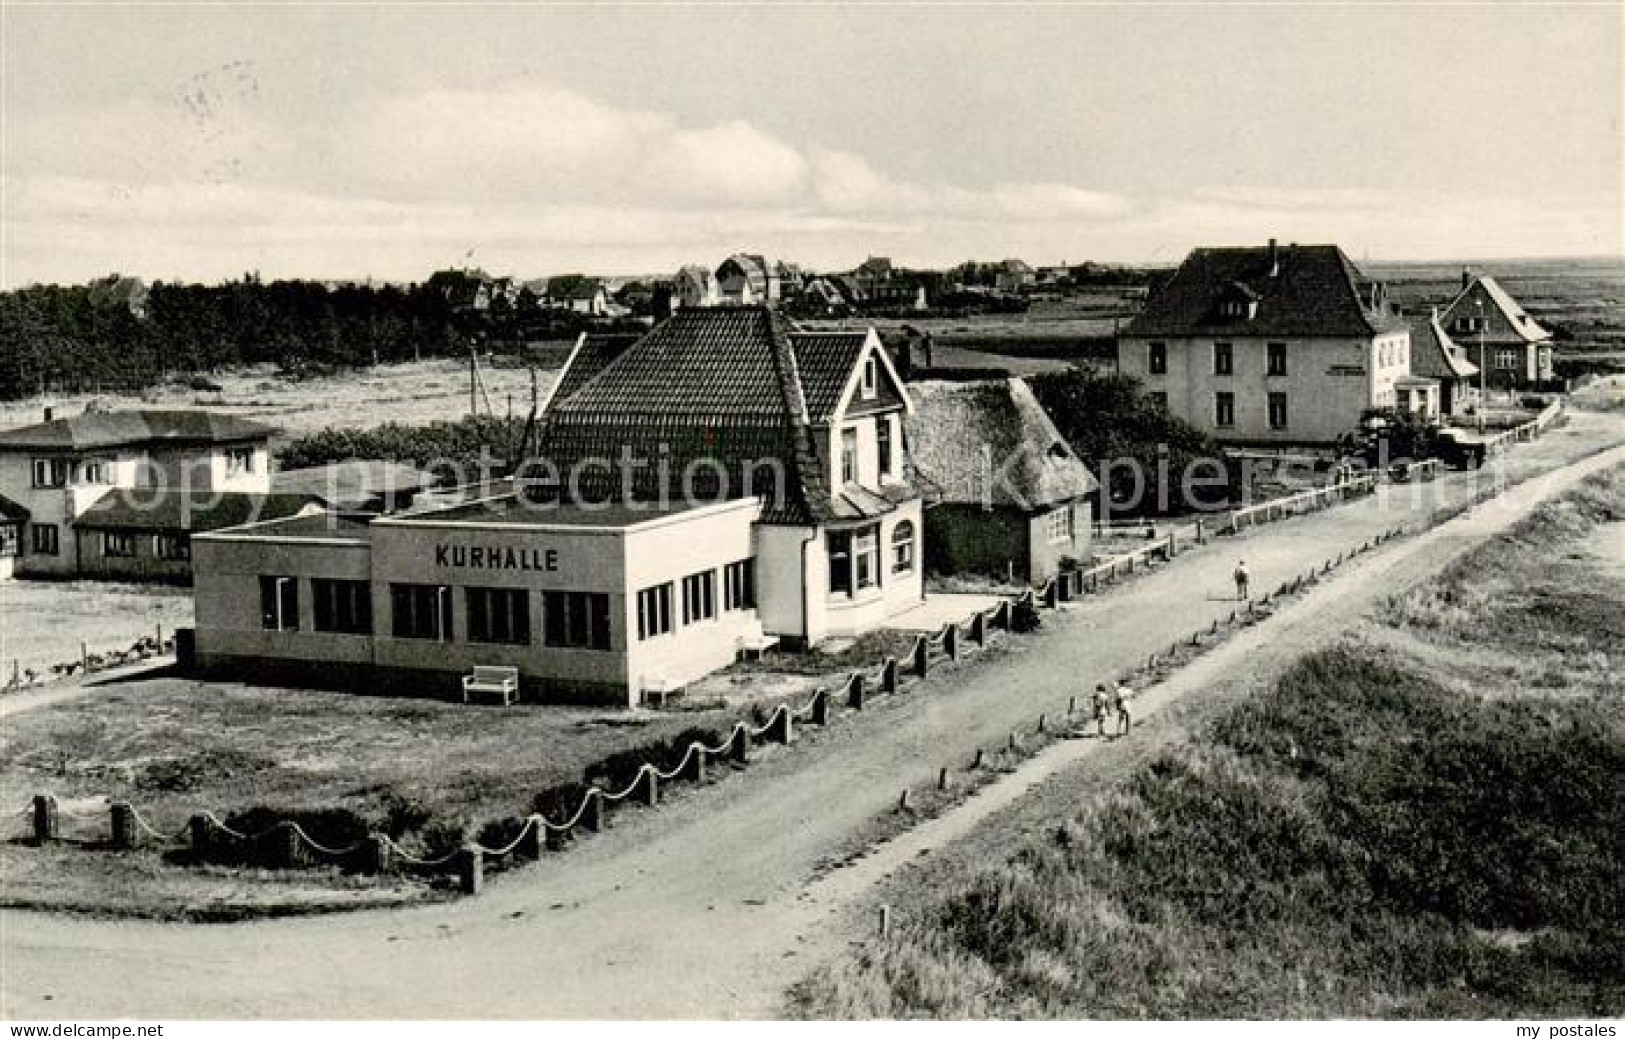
(592, 810)
(741, 744)
(198, 828)
(978, 628)
(380, 858)
(950, 641)
(819, 714)
(855, 695)
(470, 869)
(696, 752)
(780, 725)
(123, 830)
(45, 818)
(922, 656)
(651, 782)
(888, 675)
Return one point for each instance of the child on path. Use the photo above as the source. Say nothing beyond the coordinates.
(1241, 579)
(1102, 702)
(1125, 719)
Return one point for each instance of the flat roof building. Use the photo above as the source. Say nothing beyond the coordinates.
(722, 479)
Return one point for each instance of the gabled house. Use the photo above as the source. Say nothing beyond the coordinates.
(1437, 356)
(748, 278)
(1269, 345)
(734, 401)
(58, 469)
(695, 286)
(1516, 349)
(578, 294)
(129, 535)
(1004, 493)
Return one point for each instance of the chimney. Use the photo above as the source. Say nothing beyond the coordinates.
(1466, 279)
(1275, 259)
(49, 414)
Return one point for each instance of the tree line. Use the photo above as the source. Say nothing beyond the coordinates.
(76, 338)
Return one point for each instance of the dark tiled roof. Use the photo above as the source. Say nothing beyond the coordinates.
(826, 360)
(592, 354)
(10, 510)
(1316, 291)
(717, 392)
(1519, 320)
(991, 442)
(144, 509)
(100, 429)
(1434, 354)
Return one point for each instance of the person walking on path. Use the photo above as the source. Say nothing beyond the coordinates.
(1102, 703)
(1241, 580)
(1123, 696)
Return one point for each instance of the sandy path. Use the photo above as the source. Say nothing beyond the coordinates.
(703, 908)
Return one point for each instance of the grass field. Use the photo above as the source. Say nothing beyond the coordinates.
(43, 622)
(1423, 821)
(414, 393)
(430, 773)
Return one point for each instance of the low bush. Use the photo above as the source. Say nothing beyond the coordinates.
(1024, 616)
(559, 804)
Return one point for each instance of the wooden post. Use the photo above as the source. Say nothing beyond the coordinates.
(902, 802)
(84, 659)
(592, 810)
(942, 778)
(885, 921)
(696, 752)
(470, 869)
(855, 691)
(741, 744)
(289, 852)
(158, 635)
(978, 628)
(1071, 706)
(888, 675)
(45, 818)
(977, 761)
(922, 656)
(1015, 740)
(198, 826)
(1173, 544)
(534, 838)
(1201, 535)
(950, 641)
(380, 857)
(779, 726)
(651, 782)
(1042, 719)
(123, 825)
(820, 708)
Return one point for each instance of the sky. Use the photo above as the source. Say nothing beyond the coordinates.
(388, 140)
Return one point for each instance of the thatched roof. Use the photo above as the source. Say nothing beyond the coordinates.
(990, 443)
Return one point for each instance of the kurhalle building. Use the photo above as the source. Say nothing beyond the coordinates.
(724, 476)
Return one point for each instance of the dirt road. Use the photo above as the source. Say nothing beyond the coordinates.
(709, 906)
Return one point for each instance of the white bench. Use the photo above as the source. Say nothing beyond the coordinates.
(502, 681)
(756, 641)
(658, 689)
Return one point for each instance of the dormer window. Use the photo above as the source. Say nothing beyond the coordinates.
(871, 377)
(1238, 302)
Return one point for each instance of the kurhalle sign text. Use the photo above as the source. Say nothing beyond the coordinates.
(545, 560)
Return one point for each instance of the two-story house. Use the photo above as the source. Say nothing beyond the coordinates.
(61, 469)
(1270, 345)
(1513, 348)
(747, 278)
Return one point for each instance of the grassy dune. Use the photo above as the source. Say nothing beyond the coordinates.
(1374, 838)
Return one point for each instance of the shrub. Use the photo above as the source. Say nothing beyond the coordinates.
(1024, 616)
(403, 815)
(618, 770)
(677, 747)
(559, 804)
